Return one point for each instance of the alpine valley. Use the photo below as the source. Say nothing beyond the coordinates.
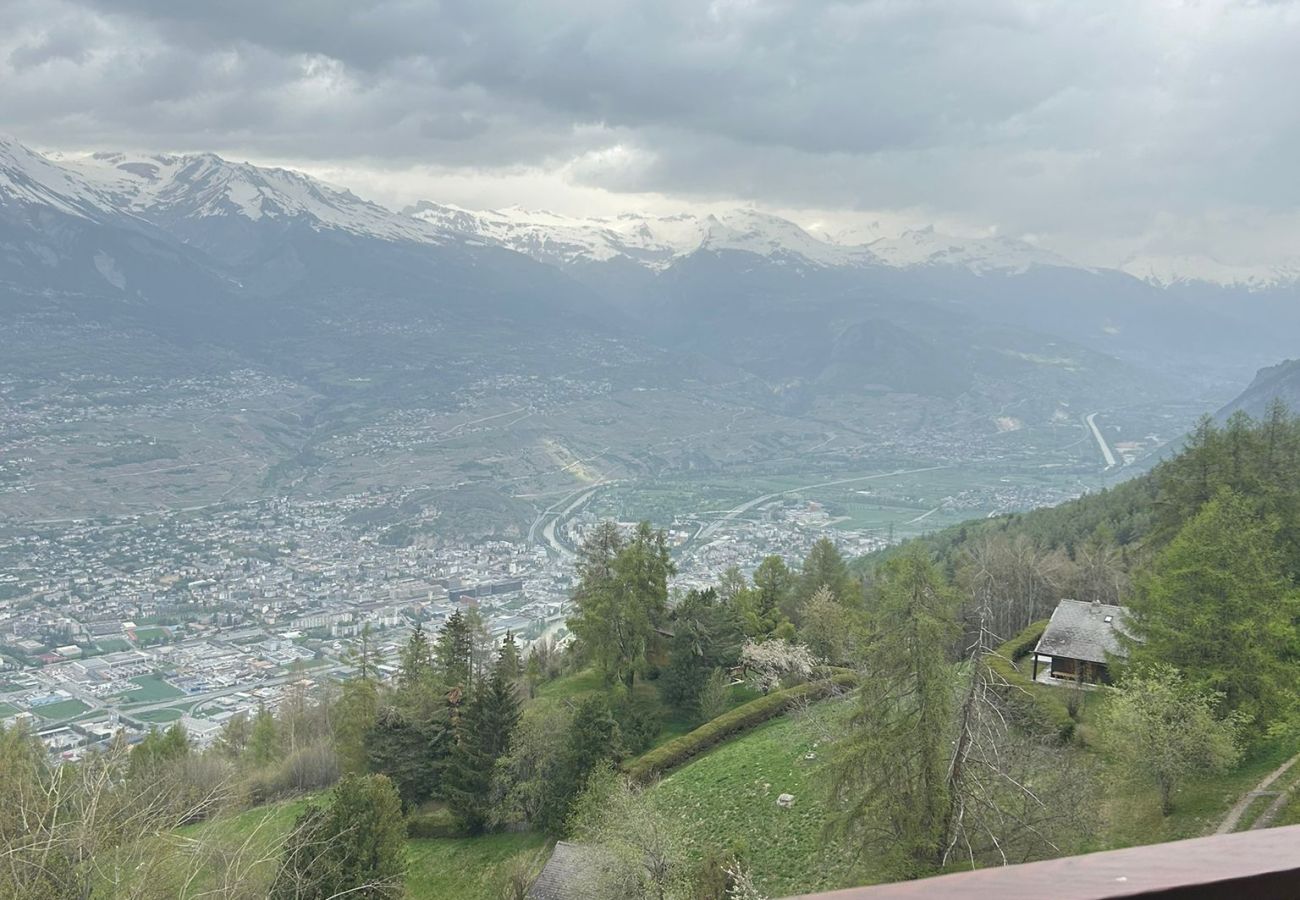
(183, 333)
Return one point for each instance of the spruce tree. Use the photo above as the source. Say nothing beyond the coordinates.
(417, 662)
(454, 651)
(482, 737)
(509, 660)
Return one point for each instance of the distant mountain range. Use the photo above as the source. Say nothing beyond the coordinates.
(272, 334)
(199, 245)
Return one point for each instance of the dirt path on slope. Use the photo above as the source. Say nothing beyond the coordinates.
(1229, 824)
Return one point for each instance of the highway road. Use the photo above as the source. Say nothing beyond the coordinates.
(1091, 422)
(553, 516)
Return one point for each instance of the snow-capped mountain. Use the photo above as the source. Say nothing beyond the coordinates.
(28, 179)
(926, 247)
(1167, 271)
(209, 201)
(657, 241)
(652, 241)
(165, 190)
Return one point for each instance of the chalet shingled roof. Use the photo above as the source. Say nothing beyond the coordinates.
(1082, 630)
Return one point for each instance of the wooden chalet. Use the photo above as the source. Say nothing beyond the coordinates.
(1080, 640)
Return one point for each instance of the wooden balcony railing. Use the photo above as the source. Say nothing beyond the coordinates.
(1255, 865)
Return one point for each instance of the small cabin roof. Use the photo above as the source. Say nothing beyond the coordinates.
(1082, 630)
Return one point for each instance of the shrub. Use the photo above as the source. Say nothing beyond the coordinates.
(742, 718)
(309, 768)
(1040, 706)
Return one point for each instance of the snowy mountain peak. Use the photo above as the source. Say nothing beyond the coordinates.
(175, 191)
(28, 178)
(165, 189)
(927, 247)
(203, 185)
(649, 240)
(1169, 270)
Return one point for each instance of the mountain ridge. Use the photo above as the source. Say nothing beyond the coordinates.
(161, 187)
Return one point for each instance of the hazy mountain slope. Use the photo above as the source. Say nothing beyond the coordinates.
(1279, 382)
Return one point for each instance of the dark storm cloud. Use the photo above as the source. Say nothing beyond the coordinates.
(1031, 116)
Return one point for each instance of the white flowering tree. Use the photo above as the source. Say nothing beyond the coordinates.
(772, 661)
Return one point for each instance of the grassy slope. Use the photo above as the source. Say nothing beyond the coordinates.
(1133, 816)
(450, 868)
(730, 794)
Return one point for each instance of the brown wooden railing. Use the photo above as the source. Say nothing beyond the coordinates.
(1255, 865)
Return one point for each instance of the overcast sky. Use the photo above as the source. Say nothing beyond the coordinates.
(1097, 128)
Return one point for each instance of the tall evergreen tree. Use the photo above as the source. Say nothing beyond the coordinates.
(592, 738)
(823, 567)
(482, 737)
(621, 597)
(263, 742)
(773, 587)
(454, 651)
(1217, 605)
(416, 666)
(706, 636)
(890, 772)
(410, 746)
(356, 713)
(510, 662)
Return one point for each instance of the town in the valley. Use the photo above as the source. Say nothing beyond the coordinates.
(118, 626)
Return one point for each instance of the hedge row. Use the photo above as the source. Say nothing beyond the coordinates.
(749, 715)
(1042, 705)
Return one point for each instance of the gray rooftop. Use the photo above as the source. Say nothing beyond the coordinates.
(1081, 630)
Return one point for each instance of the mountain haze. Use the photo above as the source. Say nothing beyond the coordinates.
(738, 336)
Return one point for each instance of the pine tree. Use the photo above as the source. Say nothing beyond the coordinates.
(482, 737)
(358, 709)
(467, 783)
(621, 598)
(824, 567)
(593, 738)
(773, 588)
(533, 673)
(706, 636)
(510, 663)
(411, 750)
(454, 651)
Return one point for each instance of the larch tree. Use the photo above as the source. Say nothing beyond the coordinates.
(890, 772)
(622, 595)
(1216, 605)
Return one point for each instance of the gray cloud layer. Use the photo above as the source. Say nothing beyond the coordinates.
(1105, 122)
